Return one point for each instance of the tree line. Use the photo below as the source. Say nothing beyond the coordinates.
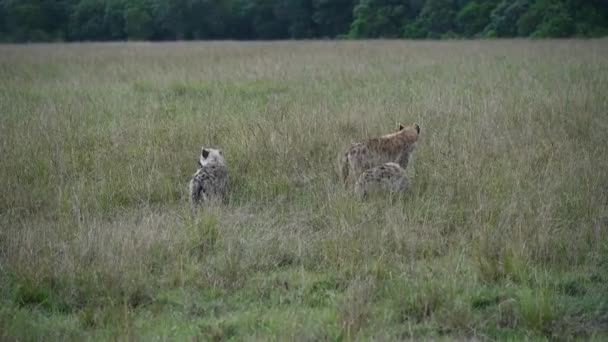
(104, 20)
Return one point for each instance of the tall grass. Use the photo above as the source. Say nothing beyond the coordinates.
(503, 235)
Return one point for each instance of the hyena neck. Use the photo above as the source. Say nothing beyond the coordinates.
(395, 142)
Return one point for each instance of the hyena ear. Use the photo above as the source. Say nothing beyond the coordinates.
(417, 128)
(401, 127)
(205, 153)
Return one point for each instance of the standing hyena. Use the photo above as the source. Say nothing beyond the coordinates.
(388, 177)
(210, 182)
(395, 147)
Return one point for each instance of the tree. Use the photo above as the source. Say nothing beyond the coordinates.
(503, 19)
(380, 18)
(44, 20)
(437, 17)
(590, 17)
(238, 21)
(206, 19)
(114, 19)
(87, 21)
(2, 21)
(34, 19)
(170, 19)
(556, 22)
(138, 20)
(332, 17)
(266, 23)
(297, 14)
(473, 17)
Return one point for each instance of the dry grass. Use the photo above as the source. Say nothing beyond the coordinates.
(504, 234)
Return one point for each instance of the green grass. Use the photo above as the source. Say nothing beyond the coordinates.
(504, 234)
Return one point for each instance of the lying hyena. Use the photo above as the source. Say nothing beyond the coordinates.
(363, 155)
(387, 178)
(210, 182)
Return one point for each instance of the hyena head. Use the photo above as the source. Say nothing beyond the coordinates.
(415, 127)
(211, 156)
(407, 134)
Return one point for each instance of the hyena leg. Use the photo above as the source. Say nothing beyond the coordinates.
(404, 159)
(345, 168)
(361, 188)
(195, 192)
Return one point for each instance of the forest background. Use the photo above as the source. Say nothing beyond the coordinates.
(108, 20)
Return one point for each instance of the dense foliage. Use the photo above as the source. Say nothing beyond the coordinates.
(76, 20)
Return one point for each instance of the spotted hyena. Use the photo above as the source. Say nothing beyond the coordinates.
(387, 178)
(210, 182)
(363, 155)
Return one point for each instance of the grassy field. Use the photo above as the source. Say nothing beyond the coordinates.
(504, 234)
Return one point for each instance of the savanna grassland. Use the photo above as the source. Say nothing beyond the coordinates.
(504, 234)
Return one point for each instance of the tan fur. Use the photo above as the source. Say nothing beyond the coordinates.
(387, 178)
(394, 147)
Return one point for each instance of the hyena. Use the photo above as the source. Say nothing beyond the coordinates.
(388, 177)
(210, 182)
(395, 147)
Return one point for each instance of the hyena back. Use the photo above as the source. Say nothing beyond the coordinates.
(210, 182)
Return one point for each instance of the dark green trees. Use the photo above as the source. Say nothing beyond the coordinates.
(75, 20)
(380, 18)
(474, 16)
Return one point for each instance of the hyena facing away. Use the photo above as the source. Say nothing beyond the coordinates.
(210, 182)
(395, 147)
(388, 177)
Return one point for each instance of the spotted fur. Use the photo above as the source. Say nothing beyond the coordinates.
(363, 155)
(210, 182)
(387, 178)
